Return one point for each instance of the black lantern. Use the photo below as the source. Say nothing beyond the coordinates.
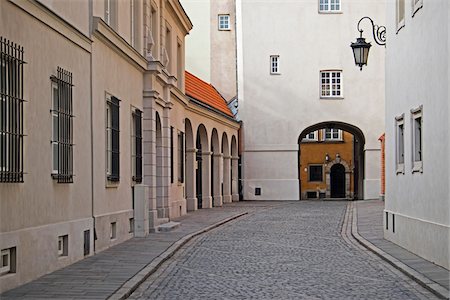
(361, 51)
(361, 47)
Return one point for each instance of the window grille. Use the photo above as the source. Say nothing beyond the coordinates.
(62, 122)
(11, 111)
(171, 156)
(181, 157)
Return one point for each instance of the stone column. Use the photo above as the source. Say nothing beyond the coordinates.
(234, 178)
(206, 180)
(217, 197)
(226, 179)
(166, 160)
(191, 198)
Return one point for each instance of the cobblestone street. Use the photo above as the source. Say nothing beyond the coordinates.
(292, 251)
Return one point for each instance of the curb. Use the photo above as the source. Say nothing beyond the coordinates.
(427, 283)
(134, 282)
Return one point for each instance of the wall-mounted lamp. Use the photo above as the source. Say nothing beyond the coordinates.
(327, 158)
(361, 47)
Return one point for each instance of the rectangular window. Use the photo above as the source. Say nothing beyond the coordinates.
(171, 156)
(113, 233)
(8, 261)
(387, 220)
(168, 47)
(331, 84)
(87, 242)
(63, 245)
(329, 5)
(224, 22)
(332, 134)
(315, 173)
(112, 139)
(131, 223)
(62, 126)
(400, 144)
(274, 64)
(181, 157)
(11, 111)
(416, 5)
(180, 65)
(136, 146)
(400, 6)
(111, 13)
(417, 140)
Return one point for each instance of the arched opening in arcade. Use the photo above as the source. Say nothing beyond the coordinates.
(331, 161)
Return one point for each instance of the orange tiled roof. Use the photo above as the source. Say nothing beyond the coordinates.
(206, 93)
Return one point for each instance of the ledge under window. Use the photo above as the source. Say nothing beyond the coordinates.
(417, 167)
(400, 169)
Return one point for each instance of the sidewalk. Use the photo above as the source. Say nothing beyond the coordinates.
(101, 275)
(370, 227)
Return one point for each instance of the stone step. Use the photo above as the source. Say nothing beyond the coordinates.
(168, 226)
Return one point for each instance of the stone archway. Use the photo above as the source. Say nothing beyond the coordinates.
(328, 178)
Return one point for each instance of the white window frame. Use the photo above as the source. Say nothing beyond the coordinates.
(325, 6)
(275, 65)
(224, 22)
(400, 145)
(313, 138)
(400, 21)
(5, 268)
(339, 80)
(332, 134)
(55, 131)
(416, 5)
(417, 159)
(108, 139)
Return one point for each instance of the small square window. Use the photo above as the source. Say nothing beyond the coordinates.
(224, 22)
(312, 136)
(329, 5)
(63, 245)
(315, 173)
(274, 64)
(258, 191)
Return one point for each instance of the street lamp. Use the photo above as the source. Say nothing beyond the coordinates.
(361, 47)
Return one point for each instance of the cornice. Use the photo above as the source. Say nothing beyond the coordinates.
(106, 34)
(181, 15)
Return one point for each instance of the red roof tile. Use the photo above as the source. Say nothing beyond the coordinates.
(206, 93)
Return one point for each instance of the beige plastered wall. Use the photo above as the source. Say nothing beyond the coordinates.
(34, 213)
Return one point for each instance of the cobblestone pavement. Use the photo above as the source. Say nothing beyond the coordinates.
(293, 251)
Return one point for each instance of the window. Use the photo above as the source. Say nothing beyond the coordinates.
(416, 5)
(329, 5)
(331, 84)
(316, 173)
(8, 261)
(87, 242)
(131, 224)
(62, 126)
(133, 27)
(171, 156)
(110, 12)
(400, 144)
(181, 157)
(224, 22)
(312, 136)
(63, 245)
(400, 5)
(136, 146)
(112, 139)
(274, 64)
(113, 233)
(168, 46)
(11, 111)
(416, 118)
(332, 134)
(180, 65)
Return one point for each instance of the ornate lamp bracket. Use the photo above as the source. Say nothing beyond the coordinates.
(379, 32)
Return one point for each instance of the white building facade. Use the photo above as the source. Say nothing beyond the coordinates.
(297, 75)
(417, 205)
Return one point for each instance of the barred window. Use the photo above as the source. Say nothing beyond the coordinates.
(171, 156)
(11, 111)
(136, 146)
(112, 139)
(62, 126)
(316, 173)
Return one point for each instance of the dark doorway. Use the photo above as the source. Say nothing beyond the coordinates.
(198, 172)
(337, 181)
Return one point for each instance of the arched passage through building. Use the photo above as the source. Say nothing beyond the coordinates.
(331, 161)
(203, 175)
